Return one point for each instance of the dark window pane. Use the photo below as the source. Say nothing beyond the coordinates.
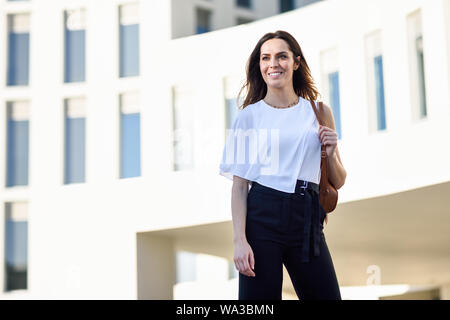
(18, 58)
(130, 145)
(379, 82)
(129, 50)
(243, 3)
(75, 150)
(75, 56)
(16, 252)
(203, 21)
(421, 75)
(286, 5)
(17, 158)
(333, 79)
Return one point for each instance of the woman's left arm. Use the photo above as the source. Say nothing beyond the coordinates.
(328, 136)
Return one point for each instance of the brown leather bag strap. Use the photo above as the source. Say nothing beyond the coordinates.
(319, 118)
(323, 156)
(319, 113)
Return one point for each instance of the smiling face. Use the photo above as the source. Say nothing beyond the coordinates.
(277, 63)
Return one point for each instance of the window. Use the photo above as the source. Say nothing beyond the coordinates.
(75, 42)
(331, 88)
(416, 66)
(129, 40)
(130, 136)
(333, 80)
(16, 245)
(185, 266)
(183, 128)
(286, 5)
(244, 3)
(231, 111)
(379, 82)
(375, 82)
(421, 76)
(18, 49)
(18, 143)
(231, 89)
(75, 141)
(203, 20)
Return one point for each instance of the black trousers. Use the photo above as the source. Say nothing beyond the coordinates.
(280, 230)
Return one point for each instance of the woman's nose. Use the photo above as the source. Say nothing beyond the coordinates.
(273, 62)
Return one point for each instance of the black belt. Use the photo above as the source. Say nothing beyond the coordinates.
(312, 218)
(302, 185)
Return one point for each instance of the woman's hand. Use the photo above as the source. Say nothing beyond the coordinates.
(329, 138)
(244, 259)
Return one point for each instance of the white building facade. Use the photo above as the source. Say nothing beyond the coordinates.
(113, 123)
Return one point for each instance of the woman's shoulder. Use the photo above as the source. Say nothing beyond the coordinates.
(317, 107)
(323, 109)
(309, 101)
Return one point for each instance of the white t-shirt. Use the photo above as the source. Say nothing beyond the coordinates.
(272, 146)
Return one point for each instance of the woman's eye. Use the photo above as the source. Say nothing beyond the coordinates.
(282, 56)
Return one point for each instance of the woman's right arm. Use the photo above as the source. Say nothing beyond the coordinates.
(243, 254)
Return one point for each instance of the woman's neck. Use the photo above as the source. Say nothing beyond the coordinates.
(279, 97)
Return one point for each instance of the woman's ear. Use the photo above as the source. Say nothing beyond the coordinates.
(297, 62)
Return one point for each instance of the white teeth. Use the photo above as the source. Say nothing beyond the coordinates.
(274, 74)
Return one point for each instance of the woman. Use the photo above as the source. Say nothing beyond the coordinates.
(280, 220)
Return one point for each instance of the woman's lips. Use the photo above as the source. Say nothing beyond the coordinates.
(275, 75)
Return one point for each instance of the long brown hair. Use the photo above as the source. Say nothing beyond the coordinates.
(256, 86)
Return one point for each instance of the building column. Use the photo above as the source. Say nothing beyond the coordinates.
(445, 291)
(155, 267)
